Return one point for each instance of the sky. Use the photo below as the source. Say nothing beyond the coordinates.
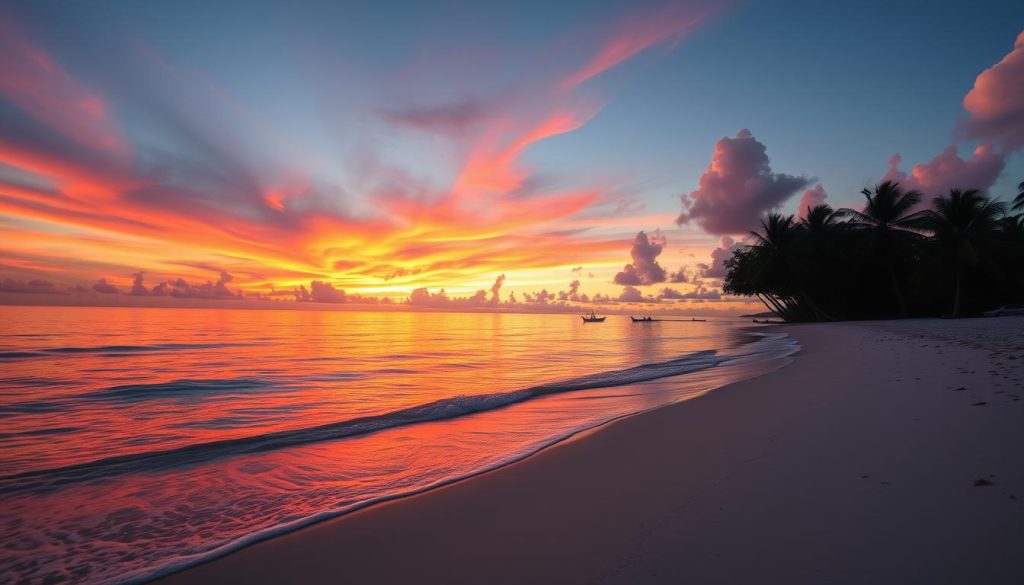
(569, 153)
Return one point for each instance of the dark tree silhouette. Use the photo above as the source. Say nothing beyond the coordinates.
(964, 227)
(892, 258)
(888, 223)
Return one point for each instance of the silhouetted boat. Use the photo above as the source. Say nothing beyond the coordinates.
(592, 318)
(1005, 310)
(652, 320)
(767, 322)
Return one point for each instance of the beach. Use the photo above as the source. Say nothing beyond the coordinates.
(888, 452)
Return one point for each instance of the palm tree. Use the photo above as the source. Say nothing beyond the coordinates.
(776, 254)
(889, 224)
(1018, 201)
(755, 270)
(963, 225)
(824, 267)
(820, 219)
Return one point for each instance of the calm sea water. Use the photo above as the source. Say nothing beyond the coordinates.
(138, 441)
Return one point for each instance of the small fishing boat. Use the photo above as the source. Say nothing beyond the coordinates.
(641, 319)
(592, 318)
(695, 320)
(1005, 310)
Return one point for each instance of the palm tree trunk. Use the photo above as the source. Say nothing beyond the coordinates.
(772, 304)
(896, 289)
(956, 294)
(766, 304)
(819, 315)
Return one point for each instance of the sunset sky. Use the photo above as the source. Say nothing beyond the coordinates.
(202, 150)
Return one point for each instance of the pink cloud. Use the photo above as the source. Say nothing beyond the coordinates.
(496, 289)
(102, 286)
(181, 289)
(644, 269)
(666, 24)
(737, 187)
(220, 192)
(422, 297)
(573, 294)
(138, 289)
(718, 257)
(631, 295)
(948, 171)
(811, 198)
(32, 286)
(31, 79)
(324, 292)
(996, 102)
(995, 108)
(539, 298)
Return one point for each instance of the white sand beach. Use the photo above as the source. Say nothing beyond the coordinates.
(888, 452)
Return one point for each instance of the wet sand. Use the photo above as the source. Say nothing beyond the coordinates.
(888, 452)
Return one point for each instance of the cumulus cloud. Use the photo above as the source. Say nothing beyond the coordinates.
(539, 298)
(701, 293)
(631, 295)
(996, 102)
(422, 297)
(737, 187)
(102, 286)
(948, 171)
(644, 269)
(669, 293)
(573, 294)
(324, 292)
(716, 269)
(995, 119)
(181, 289)
(678, 276)
(811, 198)
(138, 289)
(496, 289)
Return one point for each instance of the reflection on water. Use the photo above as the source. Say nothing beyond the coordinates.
(138, 440)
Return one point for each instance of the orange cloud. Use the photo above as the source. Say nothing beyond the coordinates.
(90, 200)
(666, 24)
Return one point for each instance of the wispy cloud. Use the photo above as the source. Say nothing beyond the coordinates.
(161, 163)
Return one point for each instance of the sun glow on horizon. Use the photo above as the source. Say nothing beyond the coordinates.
(162, 175)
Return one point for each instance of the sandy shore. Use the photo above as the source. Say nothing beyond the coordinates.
(887, 453)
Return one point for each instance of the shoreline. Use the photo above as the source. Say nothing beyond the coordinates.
(702, 488)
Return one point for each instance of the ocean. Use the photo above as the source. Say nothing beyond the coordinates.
(137, 441)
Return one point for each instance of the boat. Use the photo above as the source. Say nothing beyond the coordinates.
(592, 318)
(767, 322)
(652, 320)
(1006, 310)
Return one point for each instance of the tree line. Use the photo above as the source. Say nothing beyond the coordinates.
(961, 256)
